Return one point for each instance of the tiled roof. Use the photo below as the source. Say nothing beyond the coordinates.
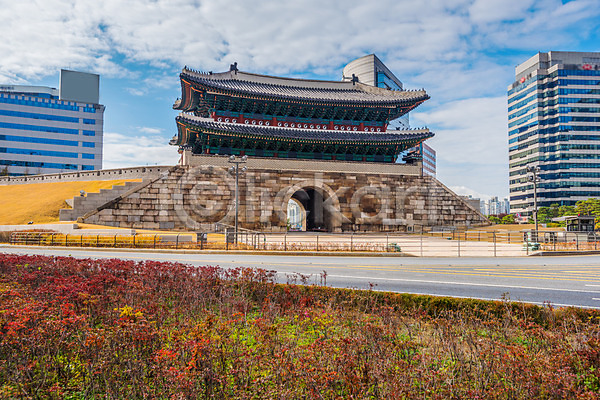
(302, 89)
(316, 134)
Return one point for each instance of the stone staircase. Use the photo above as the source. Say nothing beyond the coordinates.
(84, 204)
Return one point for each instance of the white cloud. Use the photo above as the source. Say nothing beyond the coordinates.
(486, 11)
(472, 129)
(149, 130)
(135, 91)
(471, 143)
(465, 191)
(129, 151)
(461, 51)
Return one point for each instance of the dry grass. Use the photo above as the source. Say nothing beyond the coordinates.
(514, 227)
(40, 202)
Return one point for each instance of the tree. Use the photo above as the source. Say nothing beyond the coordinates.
(566, 210)
(493, 219)
(508, 219)
(589, 207)
(546, 214)
(4, 171)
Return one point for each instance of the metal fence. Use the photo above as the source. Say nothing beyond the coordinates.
(449, 243)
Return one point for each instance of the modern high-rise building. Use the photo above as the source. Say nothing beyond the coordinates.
(371, 71)
(429, 162)
(554, 128)
(47, 130)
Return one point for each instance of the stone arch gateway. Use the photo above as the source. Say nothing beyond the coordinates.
(397, 197)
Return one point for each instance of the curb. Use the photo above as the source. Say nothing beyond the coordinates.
(248, 252)
(566, 253)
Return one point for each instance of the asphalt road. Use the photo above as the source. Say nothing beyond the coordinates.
(560, 281)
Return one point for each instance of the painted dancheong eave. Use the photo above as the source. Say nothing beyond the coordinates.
(204, 135)
(283, 96)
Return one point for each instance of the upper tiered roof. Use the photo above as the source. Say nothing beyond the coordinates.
(202, 92)
(301, 89)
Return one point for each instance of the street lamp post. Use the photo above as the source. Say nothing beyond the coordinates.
(236, 169)
(534, 170)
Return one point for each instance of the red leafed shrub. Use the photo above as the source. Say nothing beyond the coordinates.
(72, 328)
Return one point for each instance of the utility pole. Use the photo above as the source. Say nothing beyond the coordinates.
(236, 169)
(534, 171)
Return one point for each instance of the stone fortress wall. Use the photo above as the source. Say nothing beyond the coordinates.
(338, 196)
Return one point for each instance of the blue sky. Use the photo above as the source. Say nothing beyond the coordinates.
(463, 52)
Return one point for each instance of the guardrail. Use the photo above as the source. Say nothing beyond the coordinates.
(422, 244)
(201, 241)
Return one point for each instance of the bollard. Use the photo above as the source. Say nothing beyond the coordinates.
(97, 239)
(177, 241)
(285, 242)
(317, 242)
(351, 241)
(154, 244)
(133, 240)
(387, 239)
(494, 237)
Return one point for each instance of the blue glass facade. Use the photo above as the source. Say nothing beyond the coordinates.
(40, 133)
(554, 124)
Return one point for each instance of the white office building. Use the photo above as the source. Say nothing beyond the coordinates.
(46, 130)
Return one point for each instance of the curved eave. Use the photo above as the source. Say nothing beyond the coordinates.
(276, 133)
(203, 86)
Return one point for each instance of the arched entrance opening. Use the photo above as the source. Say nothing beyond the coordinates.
(317, 216)
(296, 215)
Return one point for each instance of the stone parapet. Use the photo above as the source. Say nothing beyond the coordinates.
(294, 164)
(98, 175)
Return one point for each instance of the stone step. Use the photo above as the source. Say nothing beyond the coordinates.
(85, 204)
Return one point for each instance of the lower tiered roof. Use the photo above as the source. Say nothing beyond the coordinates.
(204, 135)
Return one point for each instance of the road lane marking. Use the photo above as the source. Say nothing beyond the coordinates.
(461, 283)
(384, 268)
(543, 304)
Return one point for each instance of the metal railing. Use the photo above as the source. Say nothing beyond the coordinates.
(244, 236)
(451, 243)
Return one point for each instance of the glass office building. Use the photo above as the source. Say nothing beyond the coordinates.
(46, 130)
(372, 71)
(554, 125)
